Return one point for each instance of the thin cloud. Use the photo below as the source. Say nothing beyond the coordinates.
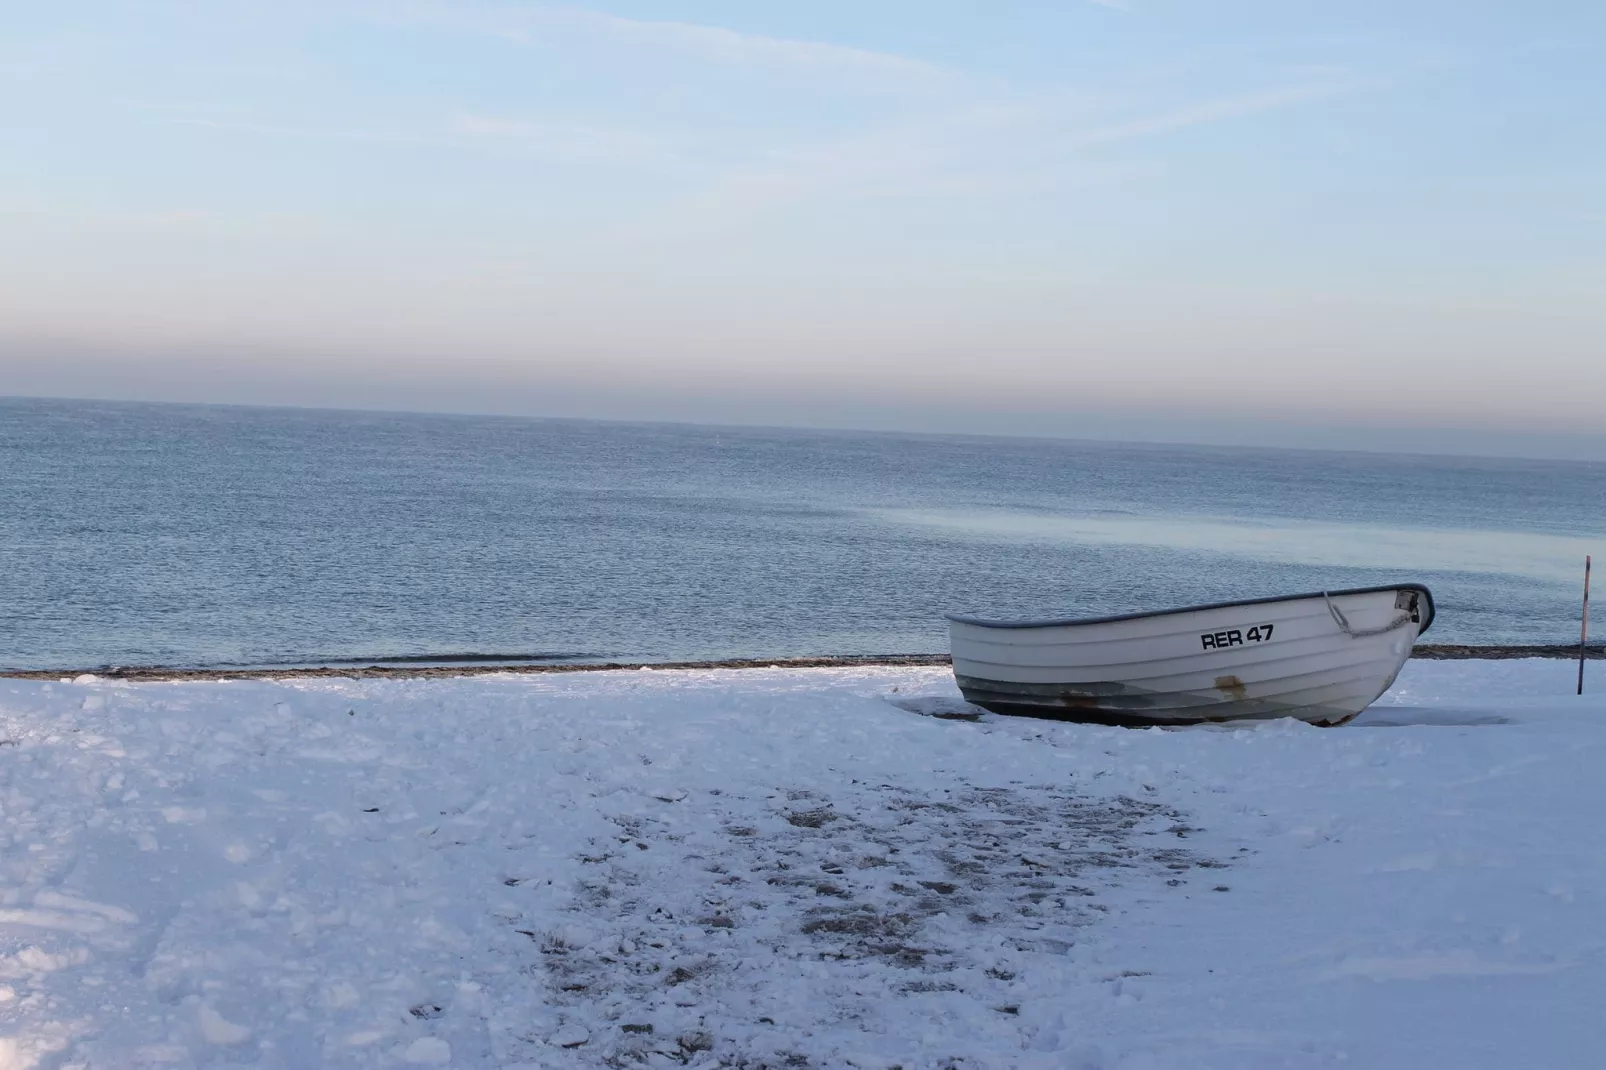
(1030, 143)
(1208, 112)
(731, 46)
(554, 138)
(372, 135)
(557, 140)
(530, 24)
(569, 140)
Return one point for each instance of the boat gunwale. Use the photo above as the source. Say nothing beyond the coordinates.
(982, 622)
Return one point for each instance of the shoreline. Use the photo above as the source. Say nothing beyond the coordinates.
(383, 670)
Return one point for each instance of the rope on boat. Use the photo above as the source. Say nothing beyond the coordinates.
(1344, 624)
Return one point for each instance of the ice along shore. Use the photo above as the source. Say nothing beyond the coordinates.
(447, 666)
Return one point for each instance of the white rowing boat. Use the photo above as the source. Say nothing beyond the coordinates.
(1321, 657)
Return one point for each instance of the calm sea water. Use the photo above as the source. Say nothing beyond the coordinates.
(191, 535)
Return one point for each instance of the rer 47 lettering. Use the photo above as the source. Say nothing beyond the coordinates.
(1236, 637)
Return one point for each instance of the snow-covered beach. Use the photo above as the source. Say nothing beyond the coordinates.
(793, 868)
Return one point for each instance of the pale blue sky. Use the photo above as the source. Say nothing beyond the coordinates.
(1279, 221)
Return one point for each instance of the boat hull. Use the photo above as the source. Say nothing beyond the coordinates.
(1321, 658)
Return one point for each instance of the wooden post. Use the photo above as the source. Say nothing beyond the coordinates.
(1583, 631)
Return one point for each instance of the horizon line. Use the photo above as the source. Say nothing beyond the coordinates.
(1597, 439)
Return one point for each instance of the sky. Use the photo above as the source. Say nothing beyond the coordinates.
(1364, 224)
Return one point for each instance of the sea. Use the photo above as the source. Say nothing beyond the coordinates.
(219, 536)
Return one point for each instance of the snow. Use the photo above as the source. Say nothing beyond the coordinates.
(791, 868)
